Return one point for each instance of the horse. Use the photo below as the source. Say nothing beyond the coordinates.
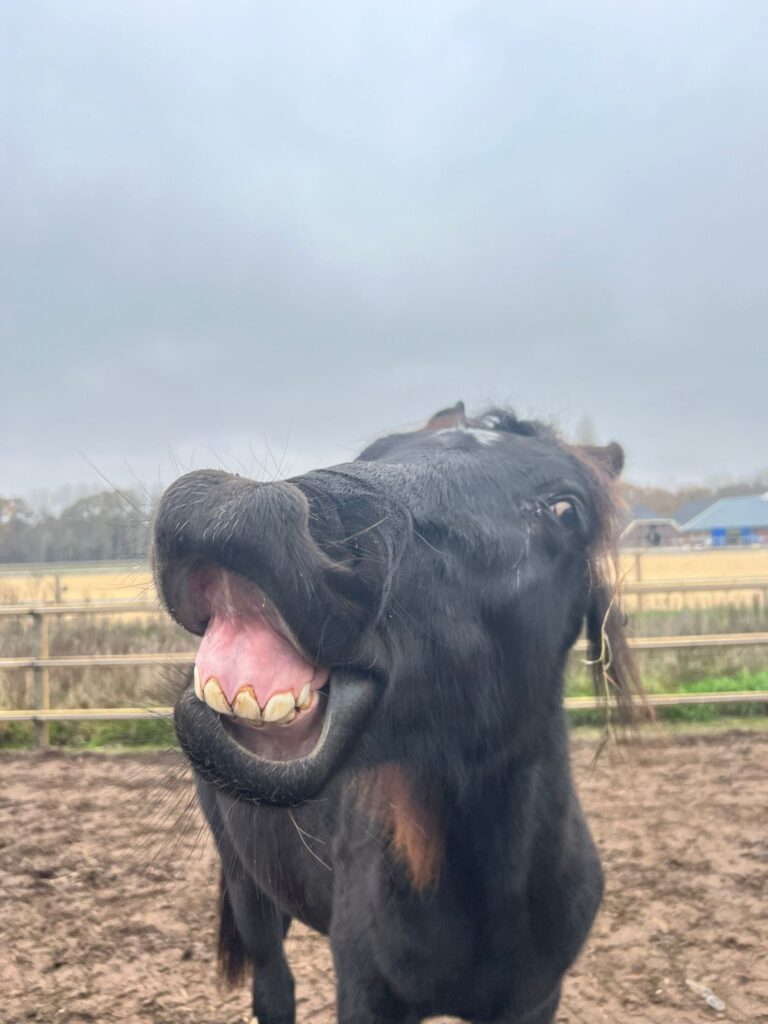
(375, 720)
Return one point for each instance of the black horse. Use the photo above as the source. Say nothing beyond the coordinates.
(375, 720)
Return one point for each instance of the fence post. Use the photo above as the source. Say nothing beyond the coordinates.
(41, 678)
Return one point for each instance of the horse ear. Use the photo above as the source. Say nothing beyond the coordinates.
(448, 418)
(610, 458)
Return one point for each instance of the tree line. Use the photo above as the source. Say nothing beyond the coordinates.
(116, 525)
(667, 501)
(107, 525)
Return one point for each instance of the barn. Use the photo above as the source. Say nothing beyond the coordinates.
(651, 531)
(731, 521)
(647, 528)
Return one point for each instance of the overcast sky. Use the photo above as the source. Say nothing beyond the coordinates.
(241, 228)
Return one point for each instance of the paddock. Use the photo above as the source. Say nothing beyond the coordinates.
(109, 887)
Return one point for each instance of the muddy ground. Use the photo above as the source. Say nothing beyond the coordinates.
(108, 889)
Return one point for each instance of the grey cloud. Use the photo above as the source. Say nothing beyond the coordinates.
(301, 225)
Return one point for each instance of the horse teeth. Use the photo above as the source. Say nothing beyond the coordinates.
(279, 706)
(198, 684)
(305, 697)
(214, 698)
(288, 718)
(245, 705)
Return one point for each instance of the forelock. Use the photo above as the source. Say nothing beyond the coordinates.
(506, 421)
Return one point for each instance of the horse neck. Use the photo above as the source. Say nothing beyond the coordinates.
(492, 825)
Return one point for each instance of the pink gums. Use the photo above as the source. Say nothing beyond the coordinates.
(241, 647)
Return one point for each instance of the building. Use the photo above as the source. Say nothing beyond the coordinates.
(691, 508)
(646, 529)
(740, 520)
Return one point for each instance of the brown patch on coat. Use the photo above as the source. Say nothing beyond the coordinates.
(413, 828)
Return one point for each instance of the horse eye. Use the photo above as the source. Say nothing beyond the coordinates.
(564, 511)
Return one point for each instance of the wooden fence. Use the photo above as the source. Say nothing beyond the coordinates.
(40, 663)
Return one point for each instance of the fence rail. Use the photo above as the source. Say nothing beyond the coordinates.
(187, 658)
(571, 704)
(39, 666)
(720, 583)
(19, 611)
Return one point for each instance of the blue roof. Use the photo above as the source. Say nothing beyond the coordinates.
(691, 509)
(732, 514)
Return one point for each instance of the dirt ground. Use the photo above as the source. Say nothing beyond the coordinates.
(108, 889)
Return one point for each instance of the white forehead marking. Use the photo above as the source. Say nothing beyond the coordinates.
(483, 435)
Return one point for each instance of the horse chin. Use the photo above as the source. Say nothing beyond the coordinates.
(282, 765)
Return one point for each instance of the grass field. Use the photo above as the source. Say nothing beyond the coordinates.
(125, 581)
(109, 581)
(685, 564)
(666, 564)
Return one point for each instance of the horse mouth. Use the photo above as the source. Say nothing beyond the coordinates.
(251, 670)
(261, 716)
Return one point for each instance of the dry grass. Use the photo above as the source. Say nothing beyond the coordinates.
(112, 582)
(707, 564)
(133, 581)
(89, 634)
(95, 687)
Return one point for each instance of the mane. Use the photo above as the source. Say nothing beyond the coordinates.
(506, 420)
(614, 671)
